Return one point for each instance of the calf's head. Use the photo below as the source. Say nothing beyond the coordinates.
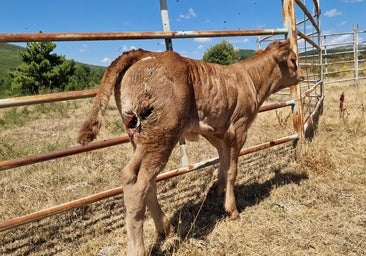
(286, 59)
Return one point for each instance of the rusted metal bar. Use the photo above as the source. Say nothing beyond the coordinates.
(8, 164)
(308, 14)
(115, 191)
(317, 7)
(18, 221)
(46, 98)
(92, 36)
(308, 39)
(276, 105)
(315, 112)
(308, 91)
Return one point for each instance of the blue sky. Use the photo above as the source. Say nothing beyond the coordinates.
(26, 16)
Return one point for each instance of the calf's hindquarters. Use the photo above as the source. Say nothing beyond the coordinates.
(154, 103)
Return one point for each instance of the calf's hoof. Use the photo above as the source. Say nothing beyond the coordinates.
(218, 188)
(233, 215)
(165, 231)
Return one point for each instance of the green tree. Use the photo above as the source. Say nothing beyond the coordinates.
(83, 78)
(222, 53)
(41, 70)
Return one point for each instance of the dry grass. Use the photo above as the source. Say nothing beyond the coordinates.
(315, 206)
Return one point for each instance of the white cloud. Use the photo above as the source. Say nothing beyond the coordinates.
(84, 48)
(192, 12)
(332, 13)
(203, 40)
(341, 39)
(126, 48)
(189, 15)
(342, 23)
(106, 60)
(353, 1)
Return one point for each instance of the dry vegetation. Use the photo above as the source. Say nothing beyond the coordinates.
(315, 206)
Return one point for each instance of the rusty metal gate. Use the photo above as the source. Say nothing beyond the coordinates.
(308, 95)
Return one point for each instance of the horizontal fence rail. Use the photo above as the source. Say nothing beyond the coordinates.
(47, 98)
(44, 37)
(22, 161)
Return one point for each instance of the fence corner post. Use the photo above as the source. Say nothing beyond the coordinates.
(288, 12)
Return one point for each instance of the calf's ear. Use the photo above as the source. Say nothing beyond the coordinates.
(284, 50)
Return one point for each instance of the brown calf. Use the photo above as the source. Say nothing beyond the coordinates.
(163, 96)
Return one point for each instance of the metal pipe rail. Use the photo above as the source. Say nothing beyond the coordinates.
(342, 80)
(338, 72)
(47, 98)
(92, 36)
(310, 41)
(32, 159)
(308, 14)
(338, 53)
(338, 44)
(311, 89)
(310, 119)
(115, 191)
(338, 62)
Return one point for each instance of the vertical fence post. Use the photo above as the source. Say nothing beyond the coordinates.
(321, 70)
(355, 53)
(166, 24)
(169, 47)
(288, 11)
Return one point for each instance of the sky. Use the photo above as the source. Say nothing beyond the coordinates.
(26, 16)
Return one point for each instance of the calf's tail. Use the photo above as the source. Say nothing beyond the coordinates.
(112, 76)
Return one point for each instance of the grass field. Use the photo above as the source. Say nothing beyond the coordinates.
(314, 206)
(9, 58)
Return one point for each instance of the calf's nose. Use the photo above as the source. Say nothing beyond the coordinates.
(301, 76)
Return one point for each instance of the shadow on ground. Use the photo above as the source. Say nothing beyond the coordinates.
(197, 220)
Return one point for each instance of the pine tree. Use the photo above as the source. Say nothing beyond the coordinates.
(41, 70)
(83, 78)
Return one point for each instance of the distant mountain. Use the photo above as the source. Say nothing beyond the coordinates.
(9, 58)
(246, 53)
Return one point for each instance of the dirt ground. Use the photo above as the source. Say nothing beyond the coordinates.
(313, 206)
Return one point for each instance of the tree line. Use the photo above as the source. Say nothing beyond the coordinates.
(42, 71)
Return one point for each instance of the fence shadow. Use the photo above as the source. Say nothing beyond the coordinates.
(197, 220)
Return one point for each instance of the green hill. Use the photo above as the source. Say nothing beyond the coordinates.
(246, 53)
(9, 60)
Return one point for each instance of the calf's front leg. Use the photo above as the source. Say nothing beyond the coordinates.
(161, 221)
(135, 203)
(139, 187)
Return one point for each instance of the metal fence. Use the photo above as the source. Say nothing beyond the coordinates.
(344, 56)
(297, 95)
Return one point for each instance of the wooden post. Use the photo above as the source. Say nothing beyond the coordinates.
(288, 11)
